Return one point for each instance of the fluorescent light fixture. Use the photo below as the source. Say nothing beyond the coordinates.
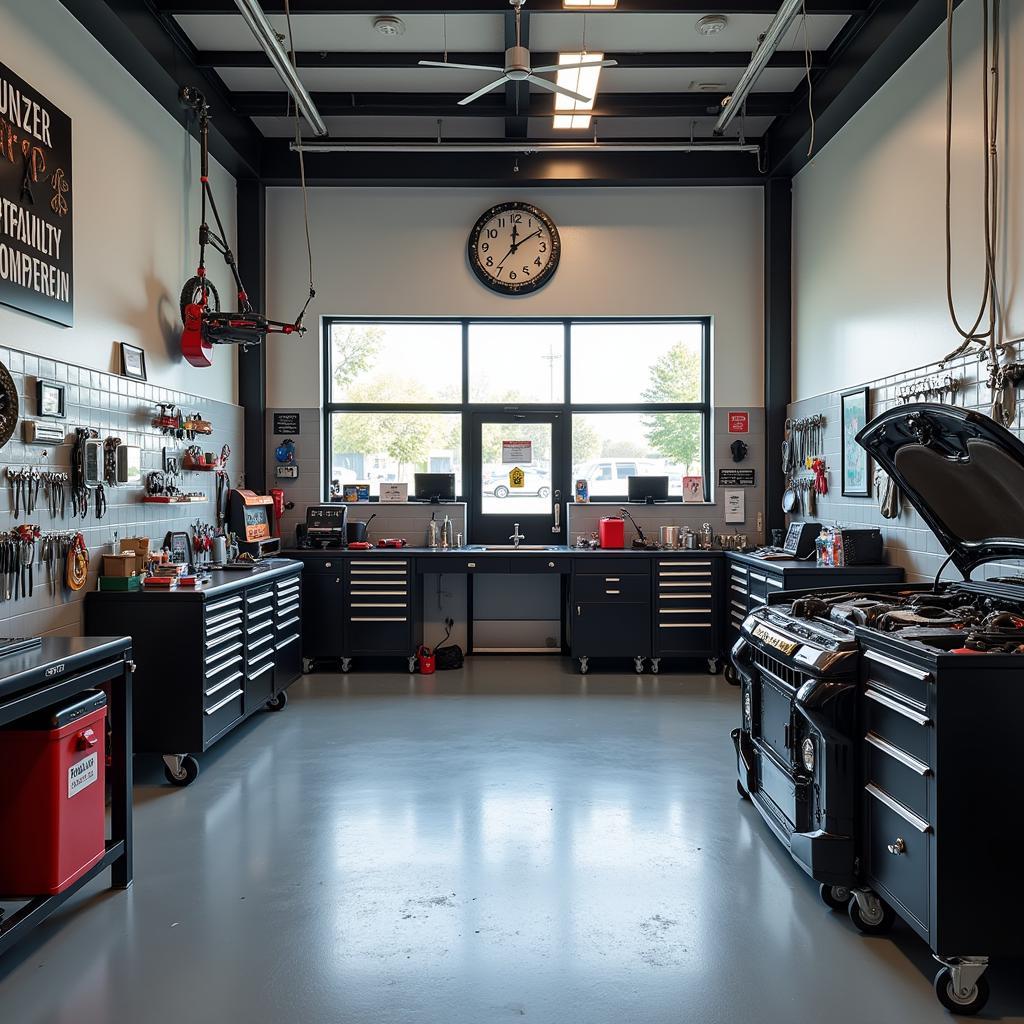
(570, 113)
(589, 5)
(252, 13)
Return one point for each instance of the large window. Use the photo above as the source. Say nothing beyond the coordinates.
(634, 394)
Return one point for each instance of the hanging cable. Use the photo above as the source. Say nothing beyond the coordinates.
(807, 75)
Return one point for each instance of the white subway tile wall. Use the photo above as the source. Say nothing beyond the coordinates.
(116, 407)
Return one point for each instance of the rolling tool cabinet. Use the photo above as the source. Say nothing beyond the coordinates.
(611, 609)
(236, 650)
(687, 609)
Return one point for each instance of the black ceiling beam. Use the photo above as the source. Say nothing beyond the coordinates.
(699, 7)
(644, 61)
(416, 104)
(517, 94)
(506, 170)
(162, 61)
(865, 55)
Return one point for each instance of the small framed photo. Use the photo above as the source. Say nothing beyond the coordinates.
(133, 362)
(50, 399)
(856, 476)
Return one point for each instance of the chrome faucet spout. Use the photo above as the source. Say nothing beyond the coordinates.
(516, 536)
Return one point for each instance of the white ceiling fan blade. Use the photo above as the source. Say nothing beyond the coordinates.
(461, 67)
(483, 92)
(586, 64)
(552, 87)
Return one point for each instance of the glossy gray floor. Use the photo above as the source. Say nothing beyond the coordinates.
(509, 841)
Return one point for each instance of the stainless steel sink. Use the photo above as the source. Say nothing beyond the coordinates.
(512, 547)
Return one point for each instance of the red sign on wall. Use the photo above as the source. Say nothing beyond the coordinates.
(739, 422)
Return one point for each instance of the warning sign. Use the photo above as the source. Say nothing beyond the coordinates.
(739, 422)
(516, 453)
(516, 478)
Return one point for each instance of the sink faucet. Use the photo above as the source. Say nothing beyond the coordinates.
(516, 536)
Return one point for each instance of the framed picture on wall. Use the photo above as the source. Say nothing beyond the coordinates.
(133, 362)
(50, 399)
(856, 475)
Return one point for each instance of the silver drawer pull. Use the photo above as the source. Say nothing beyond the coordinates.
(378, 561)
(919, 767)
(899, 666)
(220, 686)
(613, 591)
(215, 670)
(894, 705)
(377, 618)
(376, 604)
(263, 668)
(683, 597)
(215, 662)
(738, 606)
(214, 620)
(775, 583)
(217, 606)
(738, 570)
(224, 636)
(681, 565)
(898, 848)
(612, 579)
(268, 653)
(378, 572)
(288, 622)
(685, 611)
(377, 583)
(757, 576)
(287, 609)
(703, 575)
(288, 640)
(739, 590)
(266, 639)
(226, 626)
(684, 625)
(226, 700)
(258, 613)
(266, 595)
(662, 585)
(285, 587)
(258, 627)
(378, 593)
(759, 600)
(897, 808)
(471, 565)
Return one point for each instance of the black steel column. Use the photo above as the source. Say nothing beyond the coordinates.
(252, 362)
(778, 337)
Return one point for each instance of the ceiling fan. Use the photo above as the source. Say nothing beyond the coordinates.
(517, 68)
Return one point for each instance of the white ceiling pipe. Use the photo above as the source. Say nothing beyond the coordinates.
(732, 105)
(265, 35)
(524, 148)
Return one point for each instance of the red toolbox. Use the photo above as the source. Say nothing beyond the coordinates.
(612, 532)
(52, 801)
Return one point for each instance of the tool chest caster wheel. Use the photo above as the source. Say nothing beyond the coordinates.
(732, 677)
(835, 897)
(584, 665)
(412, 663)
(278, 703)
(742, 792)
(638, 664)
(181, 770)
(654, 665)
(346, 664)
(961, 989)
(870, 913)
(307, 666)
(713, 666)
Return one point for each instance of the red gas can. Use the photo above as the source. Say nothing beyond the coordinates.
(53, 797)
(612, 532)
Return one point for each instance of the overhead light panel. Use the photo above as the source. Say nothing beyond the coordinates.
(570, 113)
(265, 35)
(589, 5)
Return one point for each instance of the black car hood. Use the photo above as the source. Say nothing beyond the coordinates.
(962, 471)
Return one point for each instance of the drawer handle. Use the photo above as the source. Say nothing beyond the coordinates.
(260, 612)
(226, 700)
(613, 591)
(471, 565)
(288, 640)
(377, 562)
(736, 604)
(685, 611)
(288, 622)
(738, 570)
(265, 639)
(377, 583)
(919, 767)
(215, 620)
(759, 600)
(224, 637)
(551, 565)
(264, 596)
(287, 610)
(378, 593)
(900, 709)
(899, 848)
(703, 575)
(216, 606)
(268, 653)
(220, 686)
(757, 576)
(263, 668)
(377, 618)
(376, 604)
(907, 670)
(896, 807)
(216, 662)
(775, 583)
(611, 579)
(682, 564)
(739, 590)
(684, 625)
(683, 597)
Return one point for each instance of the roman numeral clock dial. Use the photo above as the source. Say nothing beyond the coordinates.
(514, 248)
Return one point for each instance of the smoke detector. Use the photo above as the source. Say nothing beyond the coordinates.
(712, 24)
(389, 25)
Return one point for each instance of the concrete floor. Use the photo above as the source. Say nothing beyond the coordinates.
(508, 841)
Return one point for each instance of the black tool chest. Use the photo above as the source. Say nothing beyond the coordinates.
(687, 608)
(208, 657)
(611, 609)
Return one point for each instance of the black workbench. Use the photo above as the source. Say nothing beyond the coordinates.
(39, 677)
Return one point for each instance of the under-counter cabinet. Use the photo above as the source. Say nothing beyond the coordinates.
(687, 609)
(207, 657)
(611, 610)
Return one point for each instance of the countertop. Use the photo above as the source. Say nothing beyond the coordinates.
(474, 551)
(220, 582)
(882, 570)
(56, 658)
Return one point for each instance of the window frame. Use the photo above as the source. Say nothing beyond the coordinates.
(567, 406)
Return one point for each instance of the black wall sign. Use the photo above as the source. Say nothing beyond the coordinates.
(36, 206)
(286, 423)
(736, 478)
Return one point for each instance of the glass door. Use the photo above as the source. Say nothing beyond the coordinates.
(515, 478)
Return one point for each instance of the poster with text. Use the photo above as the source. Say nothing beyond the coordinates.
(36, 206)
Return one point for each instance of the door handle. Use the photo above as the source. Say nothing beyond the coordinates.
(557, 525)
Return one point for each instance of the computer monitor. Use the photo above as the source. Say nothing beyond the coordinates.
(648, 489)
(434, 487)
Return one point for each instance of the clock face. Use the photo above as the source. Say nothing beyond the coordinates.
(514, 248)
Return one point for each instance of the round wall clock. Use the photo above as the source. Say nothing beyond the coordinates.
(8, 405)
(514, 248)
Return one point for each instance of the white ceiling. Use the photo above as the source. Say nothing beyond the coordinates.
(611, 32)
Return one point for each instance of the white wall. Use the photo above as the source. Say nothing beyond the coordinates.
(136, 207)
(869, 237)
(625, 252)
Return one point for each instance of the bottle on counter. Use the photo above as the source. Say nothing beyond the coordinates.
(432, 531)
(447, 533)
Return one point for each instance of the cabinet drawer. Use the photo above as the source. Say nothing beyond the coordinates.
(259, 627)
(686, 599)
(380, 634)
(217, 641)
(216, 664)
(553, 566)
(611, 586)
(893, 674)
(285, 625)
(611, 565)
(258, 599)
(223, 713)
(291, 583)
(215, 689)
(468, 564)
(286, 611)
(215, 608)
(903, 726)
(671, 636)
(895, 771)
(328, 564)
(899, 853)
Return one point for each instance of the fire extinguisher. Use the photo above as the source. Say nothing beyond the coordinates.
(278, 495)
